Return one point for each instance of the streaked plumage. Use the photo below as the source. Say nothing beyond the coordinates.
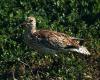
(51, 41)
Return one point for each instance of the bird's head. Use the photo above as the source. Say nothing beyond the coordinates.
(30, 23)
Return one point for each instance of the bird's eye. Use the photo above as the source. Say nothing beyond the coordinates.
(30, 20)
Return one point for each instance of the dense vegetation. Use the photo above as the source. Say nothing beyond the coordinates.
(79, 18)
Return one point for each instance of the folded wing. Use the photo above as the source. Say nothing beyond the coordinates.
(54, 39)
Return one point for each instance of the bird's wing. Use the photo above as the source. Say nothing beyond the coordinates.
(54, 39)
(81, 41)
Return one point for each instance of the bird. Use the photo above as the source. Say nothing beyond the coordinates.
(49, 41)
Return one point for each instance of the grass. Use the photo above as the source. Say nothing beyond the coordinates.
(79, 19)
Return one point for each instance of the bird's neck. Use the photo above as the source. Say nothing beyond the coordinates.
(33, 30)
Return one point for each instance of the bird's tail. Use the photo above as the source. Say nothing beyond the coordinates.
(81, 49)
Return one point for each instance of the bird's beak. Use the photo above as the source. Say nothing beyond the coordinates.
(23, 24)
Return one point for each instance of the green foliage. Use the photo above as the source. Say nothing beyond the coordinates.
(74, 17)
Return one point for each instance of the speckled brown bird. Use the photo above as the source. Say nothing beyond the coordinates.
(47, 41)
